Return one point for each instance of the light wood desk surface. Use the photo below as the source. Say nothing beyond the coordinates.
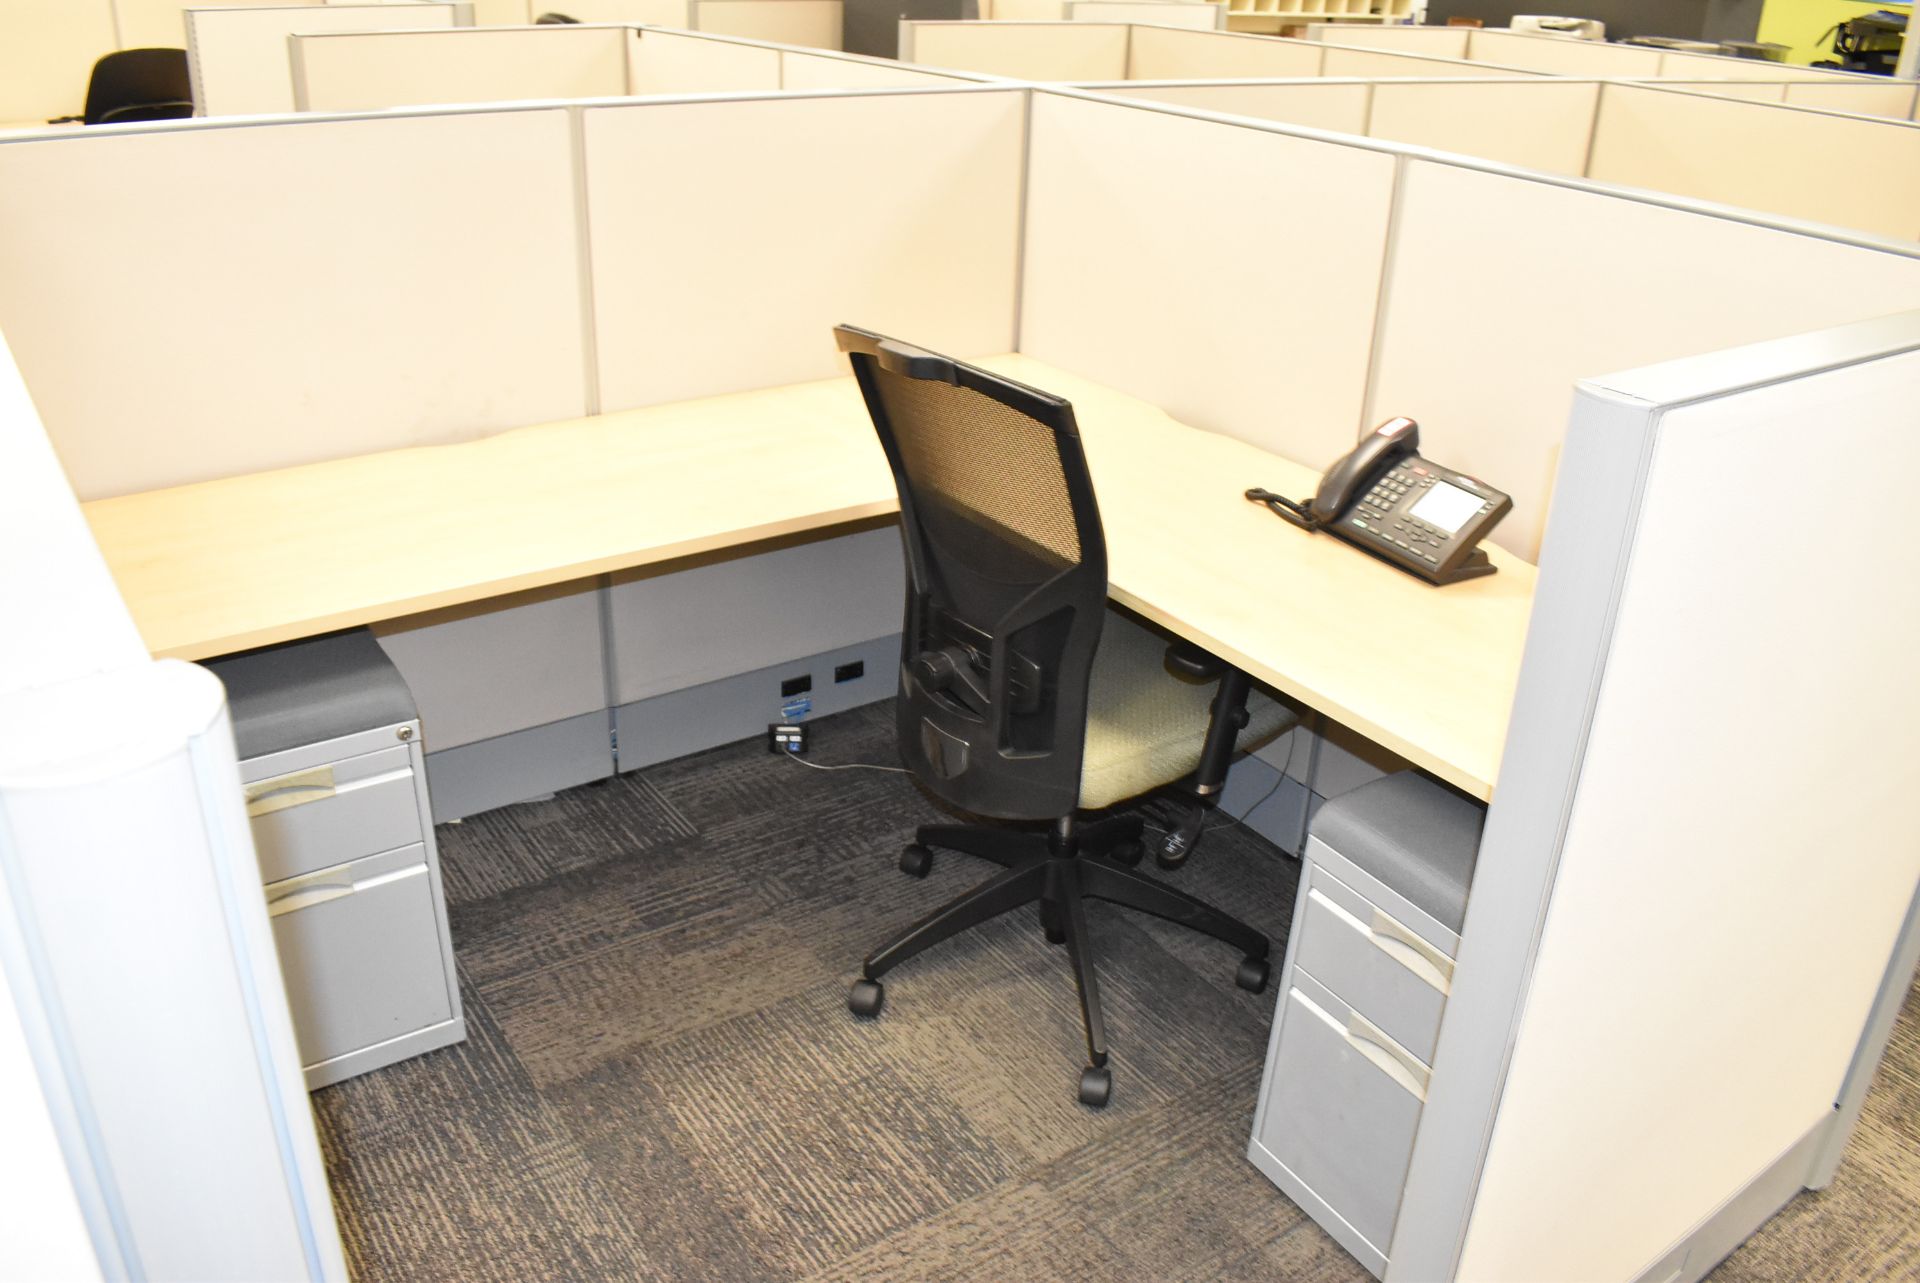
(247, 561)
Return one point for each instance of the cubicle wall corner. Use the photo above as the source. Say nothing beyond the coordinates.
(1591, 812)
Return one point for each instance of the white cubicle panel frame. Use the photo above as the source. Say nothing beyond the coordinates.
(237, 56)
(171, 955)
(1600, 835)
(338, 72)
(416, 314)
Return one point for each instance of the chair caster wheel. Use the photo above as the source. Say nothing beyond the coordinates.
(1252, 975)
(1050, 925)
(1128, 852)
(916, 860)
(1055, 935)
(1096, 1087)
(866, 998)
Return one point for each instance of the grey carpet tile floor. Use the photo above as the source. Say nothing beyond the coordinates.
(661, 1079)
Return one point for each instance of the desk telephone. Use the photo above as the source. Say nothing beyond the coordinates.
(1383, 498)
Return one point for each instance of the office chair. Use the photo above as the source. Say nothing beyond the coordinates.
(139, 84)
(1022, 696)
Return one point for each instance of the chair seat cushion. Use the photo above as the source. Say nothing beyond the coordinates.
(1145, 725)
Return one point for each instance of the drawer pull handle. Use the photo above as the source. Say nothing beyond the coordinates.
(306, 895)
(283, 791)
(1411, 952)
(1387, 1055)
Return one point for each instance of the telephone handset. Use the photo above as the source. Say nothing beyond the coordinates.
(1383, 498)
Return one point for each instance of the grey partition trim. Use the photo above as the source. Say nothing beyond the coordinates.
(1873, 1044)
(1588, 549)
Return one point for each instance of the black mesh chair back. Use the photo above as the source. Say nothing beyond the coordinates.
(1007, 578)
(139, 84)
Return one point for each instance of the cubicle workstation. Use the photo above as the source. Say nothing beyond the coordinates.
(814, 23)
(1561, 55)
(615, 502)
(1846, 170)
(364, 71)
(237, 56)
(1141, 49)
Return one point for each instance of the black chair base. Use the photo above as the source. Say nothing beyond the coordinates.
(1058, 871)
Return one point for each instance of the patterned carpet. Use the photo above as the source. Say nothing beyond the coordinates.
(661, 1080)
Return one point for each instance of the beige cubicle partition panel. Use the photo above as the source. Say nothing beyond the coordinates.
(1537, 124)
(1022, 50)
(369, 71)
(47, 49)
(1165, 13)
(1563, 56)
(259, 316)
(805, 71)
(502, 13)
(1378, 63)
(1340, 106)
(813, 23)
(677, 62)
(1800, 163)
(239, 56)
(1158, 53)
(144, 24)
(1022, 11)
(1892, 99)
(1675, 65)
(718, 275)
(1485, 355)
(1435, 42)
(1269, 347)
(1773, 91)
(657, 13)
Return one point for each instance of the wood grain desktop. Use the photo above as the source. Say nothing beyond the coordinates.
(227, 565)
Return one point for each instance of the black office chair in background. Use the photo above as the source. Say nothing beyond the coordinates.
(1022, 695)
(139, 84)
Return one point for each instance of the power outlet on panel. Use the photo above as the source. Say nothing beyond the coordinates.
(791, 686)
(849, 672)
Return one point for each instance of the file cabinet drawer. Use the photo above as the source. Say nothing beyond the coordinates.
(328, 814)
(360, 952)
(1344, 1104)
(1380, 966)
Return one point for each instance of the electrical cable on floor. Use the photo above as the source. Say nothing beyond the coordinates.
(846, 766)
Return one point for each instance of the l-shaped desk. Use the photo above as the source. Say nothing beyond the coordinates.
(227, 565)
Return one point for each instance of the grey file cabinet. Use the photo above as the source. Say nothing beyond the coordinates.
(332, 765)
(1383, 889)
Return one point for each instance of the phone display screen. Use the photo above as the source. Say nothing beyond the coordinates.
(1446, 507)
